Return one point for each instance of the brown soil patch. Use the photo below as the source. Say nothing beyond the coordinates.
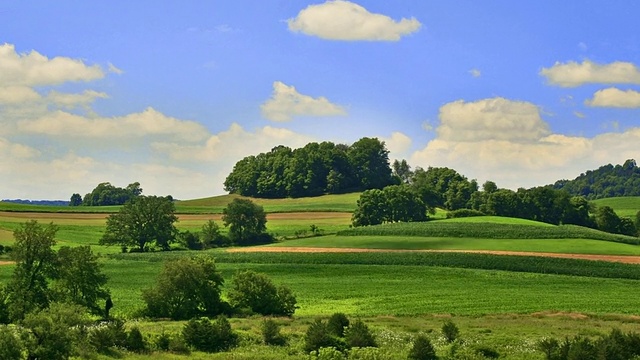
(51, 215)
(610, 258)
(6, 263)
(575, 316)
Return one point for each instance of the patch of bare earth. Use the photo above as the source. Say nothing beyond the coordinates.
(6, 263)
(611, 258)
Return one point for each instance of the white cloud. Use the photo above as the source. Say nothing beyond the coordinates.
(513, 159)
(113, 69)
(574, 74)
(613, 97)
(398, 145)
(71, 101)
(150, 122)
(491, 119)
(475, 73)
(286, 103)
(17, 94)
(35, 69)
(344, 20)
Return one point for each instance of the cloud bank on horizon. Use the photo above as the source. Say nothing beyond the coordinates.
(74, 116)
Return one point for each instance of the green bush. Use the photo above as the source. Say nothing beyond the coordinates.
(422, 349)
(190, 240)
(205, 335)
(460, 213)
(135, 341)
(359, 335)
(255, 291)
(450, 331)
(10, 345)
(271, 333)
(318, 336)
(327, 353)
(337, 323)
(108, 336)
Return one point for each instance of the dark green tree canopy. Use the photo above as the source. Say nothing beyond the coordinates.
(315, 169)
(606, 181)
(107, 194)
(141, 222)
(247, 222)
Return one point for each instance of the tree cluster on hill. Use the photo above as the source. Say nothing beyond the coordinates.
(441, 187)
(606, 181)
(106, 194)
(315, 169)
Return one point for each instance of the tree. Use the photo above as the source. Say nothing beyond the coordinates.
(79, 279)
(142, 221)
(255, 291)
(186, 288)
(369, 158)
(402, 171)
(607, 219)
(205, 335)
(211, 236)
(107, 194)
(76, 200)
(247, 222)
(35, 261)
(371, 208)
(422, 349)
(359, 335)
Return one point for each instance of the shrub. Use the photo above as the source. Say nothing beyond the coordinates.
(10, 345)
(211, 236)
(460, 213)
(359, 335)
(487, 352)
(135, 341)
(422, 349)
(255, 291)
(271, 333)
(108, 336)
(337, 323)
(190, 240)
(318, 336)
(186, 288)
(205, 335)
(161, 342)
(450, 331)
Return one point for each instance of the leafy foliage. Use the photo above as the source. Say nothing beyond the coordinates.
(359, 335)
(315, 169)
(256, 292)
(318, 336)
(204, 335)
(10, 344)
(422, 349)
(247, 222)
(391, 204)
(606, 181)
(106, 194)
(271, 333)
(450, 331)
(337, 323)
(142, 221)
(186, 288)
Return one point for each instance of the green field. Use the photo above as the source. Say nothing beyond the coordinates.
(507, 302)
(624, 206)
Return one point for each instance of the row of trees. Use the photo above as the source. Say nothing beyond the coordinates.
(425, 190)
(315, 169)
(145, 222)
(106, 194)
(606, 181)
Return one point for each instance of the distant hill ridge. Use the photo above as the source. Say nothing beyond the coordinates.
(38, 202)
(605, 182)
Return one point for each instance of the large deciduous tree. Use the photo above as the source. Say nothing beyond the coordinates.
(142, 221)
(247, 222)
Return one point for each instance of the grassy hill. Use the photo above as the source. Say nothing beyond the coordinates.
(623, 206)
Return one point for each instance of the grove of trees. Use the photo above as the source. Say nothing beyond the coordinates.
(606, 181)
(106, 194)
(315, 169)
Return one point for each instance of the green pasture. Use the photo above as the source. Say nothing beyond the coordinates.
(624, 206)
(569, 246)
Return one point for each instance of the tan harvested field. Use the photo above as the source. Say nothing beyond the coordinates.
(609, 258)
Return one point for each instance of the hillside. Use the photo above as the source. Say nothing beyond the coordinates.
(627, 206)
(606, 181)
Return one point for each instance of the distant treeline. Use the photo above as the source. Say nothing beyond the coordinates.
(315, 169)
(606, 181)
(38, 202)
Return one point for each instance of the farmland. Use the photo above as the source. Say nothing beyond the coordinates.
(507, 302)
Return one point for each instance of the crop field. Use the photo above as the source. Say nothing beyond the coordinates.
(507, 302)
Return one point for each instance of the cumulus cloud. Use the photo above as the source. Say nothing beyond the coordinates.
(149, 122)
(574, 74)
(17, 94)
(344, 20)
(71, 101)
(613, 97)
(522, 152)
(35, 69)
(491, 119)
(286, 103)
(398, 145)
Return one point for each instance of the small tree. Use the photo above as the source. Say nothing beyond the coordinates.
(35, 259)
(255, 291)
(76, 200)
(271, 333)
(79, 278)
(143, 220)
(450, 331)
(337, 323)
(247, 222)
(422, 349)
(186, 288)
(211, 236)
(205, 335)
(318, 336)
(359, 335)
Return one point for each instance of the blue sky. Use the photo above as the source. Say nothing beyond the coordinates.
(172, 95)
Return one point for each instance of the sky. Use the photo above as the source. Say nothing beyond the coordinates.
(172, 94)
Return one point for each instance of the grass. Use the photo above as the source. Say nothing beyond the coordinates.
(624, 206)
(569, 246)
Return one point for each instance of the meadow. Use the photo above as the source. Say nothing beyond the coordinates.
(505, 302)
